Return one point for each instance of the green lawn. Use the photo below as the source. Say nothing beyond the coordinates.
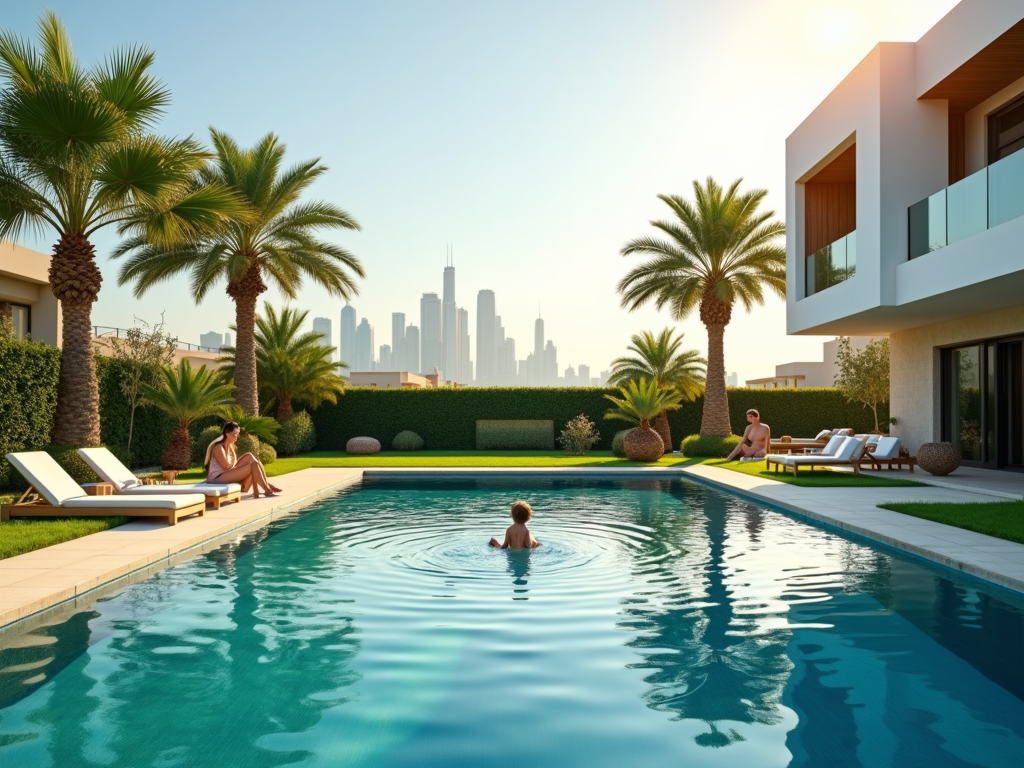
(1003, 519)
(818, 478)
(25, 534)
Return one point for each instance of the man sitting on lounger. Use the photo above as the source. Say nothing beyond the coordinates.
(756, 438)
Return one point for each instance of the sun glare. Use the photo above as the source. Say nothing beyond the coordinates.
(835, 27)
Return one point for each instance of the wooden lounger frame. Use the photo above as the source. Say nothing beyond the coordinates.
(898, 462)
(796, 467)
(32, 504)
(216, 501)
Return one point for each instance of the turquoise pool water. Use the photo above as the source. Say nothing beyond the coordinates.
(660, 624)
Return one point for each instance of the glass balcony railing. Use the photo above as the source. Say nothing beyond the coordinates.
(985, 199)
(831, 265)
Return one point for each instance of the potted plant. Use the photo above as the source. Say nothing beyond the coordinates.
(642, 401)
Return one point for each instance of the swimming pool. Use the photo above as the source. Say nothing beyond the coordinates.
(661, 623)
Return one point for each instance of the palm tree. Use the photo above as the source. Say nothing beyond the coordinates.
(261, 427)
(278, 242)
(76, 156)
(716, 251)
(290, 365)
(659, 358)
(185, 395)
(642, 401)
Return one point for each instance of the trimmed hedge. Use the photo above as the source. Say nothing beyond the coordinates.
(28, 399)
(709, 447)
(446, 418)
(515, 435)
(297, 435)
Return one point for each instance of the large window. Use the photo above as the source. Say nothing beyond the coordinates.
(1006, 131)
(21, 316)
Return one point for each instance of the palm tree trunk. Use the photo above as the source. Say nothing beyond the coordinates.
(246, 291)
(178, 453)
(284, 408)
(75, 281)
(662, 427)
(715, 418)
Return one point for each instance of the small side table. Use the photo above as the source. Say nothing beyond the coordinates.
(98, 489)
(170, 475)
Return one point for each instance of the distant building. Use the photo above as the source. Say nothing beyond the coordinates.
(584, 376)
(322, 325)
(392, 380)
(384, 361)
(431, 348)
(550, 374)
(732, 380)
(570, 377)
(364, 347)
(450, 332)
(813, 374)
(412, 350)
(227, 339)
(603, 381)
(211, 340)
(465, 366)
(347, 336)
(486, 333)
(398, 341)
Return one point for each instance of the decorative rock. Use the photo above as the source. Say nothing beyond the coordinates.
(938, 458)
(362, 446)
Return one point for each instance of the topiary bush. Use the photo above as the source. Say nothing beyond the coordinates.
(202, 442)
(407, 441)
(297, 435)
(709, 447)
(617, 443)
(247, 444)
(267, 454)
(515, 435)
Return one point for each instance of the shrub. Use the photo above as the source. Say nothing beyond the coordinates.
(202, 442)
(407, 441)
(297, 435)
(247, 444)
(28, 400)
(267, 454)
(709, 447)
(617, 443)
(72, 463)
(515, 435)
(579, 436)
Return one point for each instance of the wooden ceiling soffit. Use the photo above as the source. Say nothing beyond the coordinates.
(842, 169)
(987, 72)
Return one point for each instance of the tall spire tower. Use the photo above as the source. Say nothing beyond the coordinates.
(450, 335)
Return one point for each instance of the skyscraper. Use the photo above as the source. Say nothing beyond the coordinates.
(322, 325)
(364, 346)
(430, 333)
(347, 336)
(550, 365)
(227, 338)
(385, 363)
(465, 364)
(486, 328)
(584, 376)
(398, 342)
(412, 349)
(450, 335)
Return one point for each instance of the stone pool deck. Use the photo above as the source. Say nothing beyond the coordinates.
(89, 567)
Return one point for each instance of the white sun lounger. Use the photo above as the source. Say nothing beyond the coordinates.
(829, 449)
(887, 452)
(53, 493)
(848, 455)
(111, 470)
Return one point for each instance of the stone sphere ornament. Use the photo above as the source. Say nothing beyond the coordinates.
(642, 444)
(939, 458)
(362, 446)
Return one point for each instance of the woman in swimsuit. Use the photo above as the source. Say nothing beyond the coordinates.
(756, 438)
(223, 465)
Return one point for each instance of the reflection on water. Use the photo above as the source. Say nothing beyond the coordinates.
(658, 622)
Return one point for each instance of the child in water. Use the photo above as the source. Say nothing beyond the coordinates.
(517, 535)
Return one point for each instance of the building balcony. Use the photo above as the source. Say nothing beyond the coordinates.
(986, 199)
(831, 265)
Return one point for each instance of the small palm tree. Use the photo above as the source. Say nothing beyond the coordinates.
(291, 366)
(278, 241)
(262, 427)
(642, 401)
(660, 358)
(716, 251)
(185, 395)
(76, 155)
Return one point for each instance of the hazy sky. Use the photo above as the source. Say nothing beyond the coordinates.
(533, 136)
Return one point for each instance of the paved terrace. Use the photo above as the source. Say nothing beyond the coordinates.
(79, 571)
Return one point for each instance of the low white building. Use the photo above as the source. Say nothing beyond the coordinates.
(25, 295)
(905, 213)
(392, 379)
(810, 374)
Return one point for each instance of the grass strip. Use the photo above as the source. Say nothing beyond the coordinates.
(23, 535)
(1002, 519)
(818, 478)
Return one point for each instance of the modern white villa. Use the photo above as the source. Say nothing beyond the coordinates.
(905, 198)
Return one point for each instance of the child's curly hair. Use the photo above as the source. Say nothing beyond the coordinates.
(521, 512)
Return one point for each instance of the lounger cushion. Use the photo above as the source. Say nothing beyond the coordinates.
(825, 434)
(47, 476)
(831, 446)
(170, 502)
(207, 490)
(109, 468)
(851, 450)
(888, 448)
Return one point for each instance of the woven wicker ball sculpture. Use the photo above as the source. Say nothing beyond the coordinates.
(362, 446)
(938, 458)
(642, 444)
